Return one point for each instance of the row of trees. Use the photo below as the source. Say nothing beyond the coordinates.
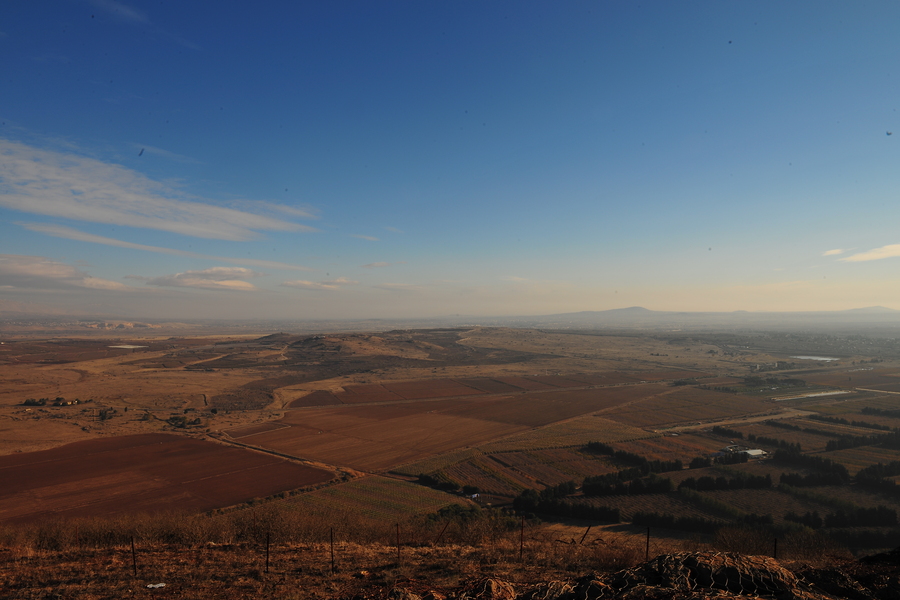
(841, 421)
(880, 516)
(743, 481)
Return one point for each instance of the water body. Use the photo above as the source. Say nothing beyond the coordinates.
(816, 357)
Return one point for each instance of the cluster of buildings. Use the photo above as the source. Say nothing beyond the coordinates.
(752, 453)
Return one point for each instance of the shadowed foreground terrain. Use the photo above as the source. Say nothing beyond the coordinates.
(432, 573)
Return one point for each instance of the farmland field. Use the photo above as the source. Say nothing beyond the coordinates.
(508, 473)
(810, 442)
(569, 433)
(374, 497)
(395, 391)
(380, 435)
(499, 409)
(141, 473)
(855, 377)
(377, 437)
(684, 447)
(858, 458)
(680, 405)
(659, 503)
(881, 401)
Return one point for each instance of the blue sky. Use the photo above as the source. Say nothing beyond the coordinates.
(393, 159)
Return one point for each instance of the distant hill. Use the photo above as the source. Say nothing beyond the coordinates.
(876, 318)
(872, 320)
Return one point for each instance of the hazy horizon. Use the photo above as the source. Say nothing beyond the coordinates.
(402, 160)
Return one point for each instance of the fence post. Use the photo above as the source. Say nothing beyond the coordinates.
(133, 557)
(332, 550)
(522, 539)
(441, 534)
(585, 535)
(647, 549)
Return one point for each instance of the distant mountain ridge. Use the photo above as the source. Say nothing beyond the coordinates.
(872, 320)
(638, 317)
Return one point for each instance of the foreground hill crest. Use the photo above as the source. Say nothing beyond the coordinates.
(686, 575)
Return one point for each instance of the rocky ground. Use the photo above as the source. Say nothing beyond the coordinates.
(231, 573)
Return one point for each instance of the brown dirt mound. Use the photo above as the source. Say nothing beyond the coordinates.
(695, 572)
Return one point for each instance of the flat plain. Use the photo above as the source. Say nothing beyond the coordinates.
(202, 423)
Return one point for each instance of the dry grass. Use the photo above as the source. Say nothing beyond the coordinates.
(224, 556)
(227, 556)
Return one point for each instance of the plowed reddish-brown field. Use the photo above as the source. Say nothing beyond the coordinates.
(141, 473)
(317, 398)
(664, 375)
(370, 392)
(525, 383)
(612, 378)
(430, 388)
(490, 386)
(239, 432)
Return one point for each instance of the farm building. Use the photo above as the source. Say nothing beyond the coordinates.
(754, 453)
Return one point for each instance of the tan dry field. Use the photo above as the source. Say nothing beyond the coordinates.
(685, 447)
(810, 442)
(858, 458)
(679, 405)
(380, 499)
(111, 382)
(852, 377)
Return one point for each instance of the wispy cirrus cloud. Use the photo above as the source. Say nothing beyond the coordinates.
(121, 11)
(38, 272)
(834, 252)
(80, 236)
(293, 211)
(889, 251)
(376, 265)
(365, 237)
(215, 278)
(399, 287)
(76, 187)
(333, 284)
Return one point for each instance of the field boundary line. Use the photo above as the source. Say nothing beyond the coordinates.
(351, 473)
(877, 391)
(277, 426)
